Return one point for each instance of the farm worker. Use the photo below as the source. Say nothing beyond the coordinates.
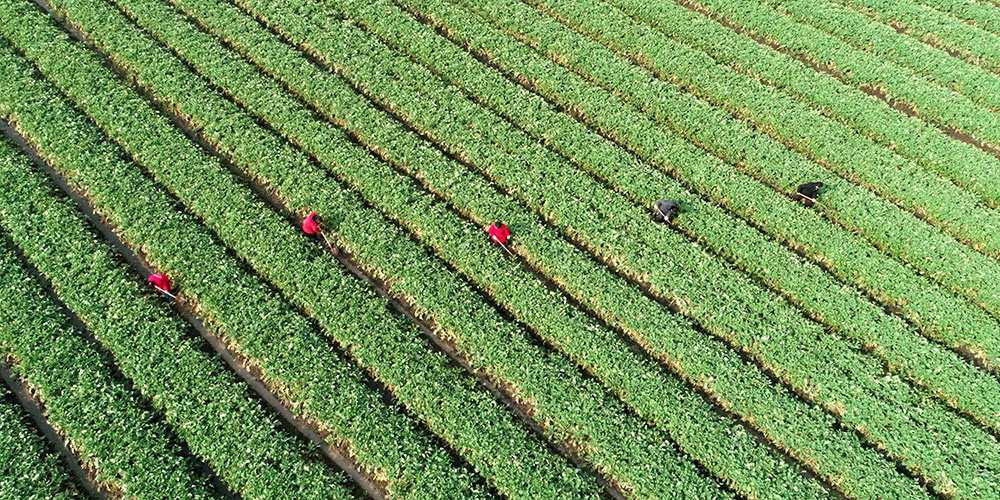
(311, 225)
(499, 232)
(666, 210)
(807, 193)
(161, 282)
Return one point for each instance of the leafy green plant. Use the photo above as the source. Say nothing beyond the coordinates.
(965, 164)
(124, 444)
(760, 161)
(932, 103)
(973, 44)
(296, 361)
(982, 15)
(560, 397)
(575, 198)
(206, 405)
(28, 470)
(887, 45)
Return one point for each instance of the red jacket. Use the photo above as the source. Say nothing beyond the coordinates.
(161, 281)
(309, 225)
(500, 234)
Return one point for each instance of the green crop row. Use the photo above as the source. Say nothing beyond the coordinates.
(208, 406)
(887, 45)
(891, 230)
(528, 171)
(608, 359)
(933, 103)
(968, 166)
(973, 44)
(839, 149)
(28, 469)
(845, 310)
(127, 447)
(406, 202)
(129, 450)
(942, 316)
(981, 14)
(808, 285)
(425, 382)
(559, 397)
(306, 370)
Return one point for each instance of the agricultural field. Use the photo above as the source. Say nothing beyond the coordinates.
(754, 345)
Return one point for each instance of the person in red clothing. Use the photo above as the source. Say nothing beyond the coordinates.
(161, 282)
(500, 234)
(311, 225)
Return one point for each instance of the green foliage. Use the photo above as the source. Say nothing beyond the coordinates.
(971, 43)
(892, 231)
(930, 147)
(980, 14)
(153, 347)
(294, 359)
(888, 46)
(781, 122)
(126, 445)
(552, 388)
(808, 286)
(729, 305)
(425, 382)
(635, 380)
(606, 356)
(28, 470)
(640, 105)
(932, 103)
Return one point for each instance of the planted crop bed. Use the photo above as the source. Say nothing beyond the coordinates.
(752, 348)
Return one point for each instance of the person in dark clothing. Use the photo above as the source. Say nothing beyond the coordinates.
(807, 193)
(666, 210)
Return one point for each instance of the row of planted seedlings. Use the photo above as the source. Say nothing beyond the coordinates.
(562, 400)
(328, 94)
(584, 207)
(931, 102)
(471, 418)
(312, 377)
(850, 312)
(30, 468)
(891, 230)
(935, 312)
(889, 45)
(133, 451)
(855, 162)
(982, 15)
(965, 40)
(471, 421)
(806, 284)
(409, 205)
(333, 160)
(124, 445)
(388, 134)
(930, 147)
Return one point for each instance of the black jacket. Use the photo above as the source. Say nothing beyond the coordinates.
(668, 207)
(809, 189)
